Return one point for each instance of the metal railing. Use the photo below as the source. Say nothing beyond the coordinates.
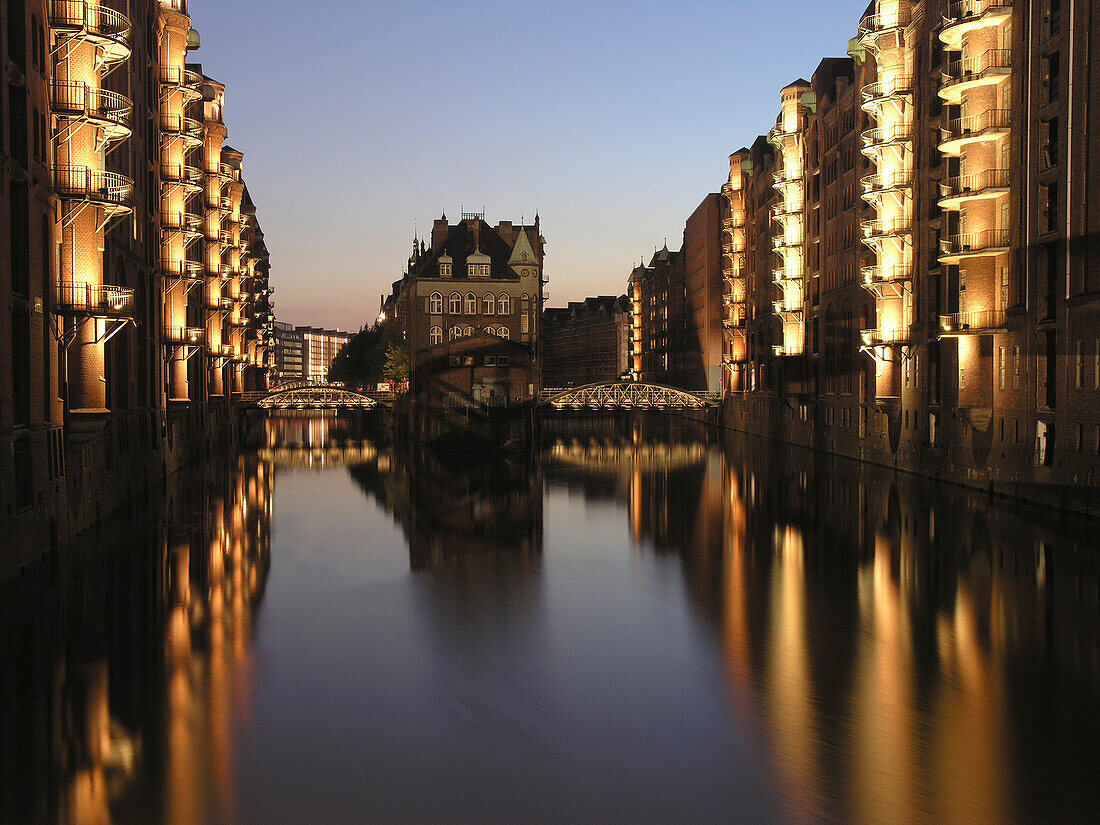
(886, 135)
(885, 227)
(81, 100)
(960, 11)
(96, 300)
(974, 125)
(963, 185)
(181, 221)
(886, 274)
(885, 181)
(972, 322)
(975, 242)
(893, 87)
(884, 337)
(184, 335)
(181, 173)
(787, 241)
(191, 270)
(876, 24)
(90, 19)
(82, 183)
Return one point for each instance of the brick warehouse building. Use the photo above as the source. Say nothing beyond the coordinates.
(134, 271)
(470, 306)
(910, 257)
(585, 342)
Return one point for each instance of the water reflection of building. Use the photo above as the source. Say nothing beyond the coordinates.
(122, 661)
(460, 510)
(322, 439)
(872, 625)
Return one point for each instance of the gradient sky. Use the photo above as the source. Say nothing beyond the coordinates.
(612, 119)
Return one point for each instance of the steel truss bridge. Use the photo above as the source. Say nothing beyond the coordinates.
(623, 395)
(313, 397)
(627, 395)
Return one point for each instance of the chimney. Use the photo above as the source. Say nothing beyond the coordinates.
(440, 229)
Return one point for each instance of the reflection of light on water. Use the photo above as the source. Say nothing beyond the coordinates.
(790, 688)
(610, 454)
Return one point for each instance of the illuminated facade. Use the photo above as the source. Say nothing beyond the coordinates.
(138, 278)
(916, 288)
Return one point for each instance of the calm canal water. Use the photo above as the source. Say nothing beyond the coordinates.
(640, 626)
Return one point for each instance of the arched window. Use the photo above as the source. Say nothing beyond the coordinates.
(504, 305)
(435, 335)
(504, 332)
(471, 304)
(455, 304)
(488, 304)
(435, 304)
(468, 331)
(456, 332)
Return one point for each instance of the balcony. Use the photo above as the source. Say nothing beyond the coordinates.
(777, 136)
(980, 322)
(874, 26)
(782, 275)
(186, 222)
(729, 224)
(884, 337)
(106, 28)
(988, 184)
(94, 300)
(190, 336)
(225, 238)
(894, 274)
(990, 67)
(731, 248)
(786, 243)
(225, 204)
(880, 183)
(885, 228)
(110, 111)
(109, 190)
(877, 139)
(963, 130)
(787, 307)
(178, 174)
(884, 91)
(186, 128)
(785, 350)
(191, 271)
(986, 242)
(186, 80)
(962, 16)
(788, 208)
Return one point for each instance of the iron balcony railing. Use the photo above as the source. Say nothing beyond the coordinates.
(961, 11)
(188, 270)
(104, 26)
(780, 242)
(110, 109)
(874, 25)
(888, 89)
(969, 69)
(887, 135)
(181, 173)
(975, 125)
(226, 238)
(781, 275)
(975, 242)
(964, 185)
(886, 274)
(95, 300)
(786, 307)
(181, 221)
(886, 181)
(963, 323)
(82, 183)
(184, 335)
(886, 227)
(884, 337)
(182, 78)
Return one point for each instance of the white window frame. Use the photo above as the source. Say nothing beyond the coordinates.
(471, 304)
(435, 304)
(455, 303)
(435, 336)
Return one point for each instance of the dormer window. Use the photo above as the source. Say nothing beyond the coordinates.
(445, 262)
(478, 265)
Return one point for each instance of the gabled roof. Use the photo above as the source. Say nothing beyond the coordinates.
(460, 244)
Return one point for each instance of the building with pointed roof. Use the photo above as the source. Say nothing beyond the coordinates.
(470, 305)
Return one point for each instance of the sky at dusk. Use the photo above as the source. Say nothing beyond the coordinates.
(612, 119)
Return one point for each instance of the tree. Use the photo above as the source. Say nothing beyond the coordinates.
(361, 362)
(396, 367)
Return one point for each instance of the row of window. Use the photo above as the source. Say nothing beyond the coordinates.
(488, 360)
(435, 334)
(457, 305)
